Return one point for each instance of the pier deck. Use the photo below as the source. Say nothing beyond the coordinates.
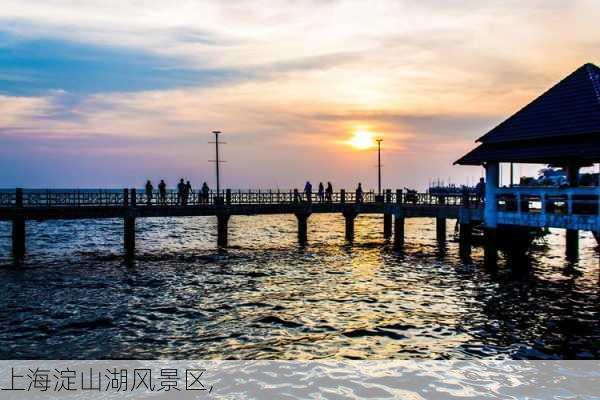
(129, 204)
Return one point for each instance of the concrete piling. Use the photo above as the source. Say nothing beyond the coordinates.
(18, 229)
(222, 229)
(465, 239)
(398, 231)
(302, 227)
(572, 244)
(350, 216)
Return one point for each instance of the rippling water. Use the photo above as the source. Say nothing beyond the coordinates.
(267, 298)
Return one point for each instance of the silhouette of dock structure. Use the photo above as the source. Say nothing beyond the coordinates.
(20, 206)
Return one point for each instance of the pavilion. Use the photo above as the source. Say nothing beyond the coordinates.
(559, 128)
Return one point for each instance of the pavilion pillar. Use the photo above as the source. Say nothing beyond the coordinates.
(350, 216)
(302, 227)
(398, 230)
(222, 229)
(490, 215)
(572, 235)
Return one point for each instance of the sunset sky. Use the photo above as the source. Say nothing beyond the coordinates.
(111, 93)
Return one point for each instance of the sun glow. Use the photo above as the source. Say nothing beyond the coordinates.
(362, 140)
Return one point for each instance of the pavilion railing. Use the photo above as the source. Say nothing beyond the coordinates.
(549, 200)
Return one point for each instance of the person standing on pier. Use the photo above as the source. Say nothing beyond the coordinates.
(480, 190)
(359, 193)
(186, 192)
(149, 188)
(180, 190)
(162, 192)
(321, 192)
(308, 192)
(205, 193)
(329, 192)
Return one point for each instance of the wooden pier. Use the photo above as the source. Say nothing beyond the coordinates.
(20, 206)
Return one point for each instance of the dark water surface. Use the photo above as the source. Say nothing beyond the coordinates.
(267, 298)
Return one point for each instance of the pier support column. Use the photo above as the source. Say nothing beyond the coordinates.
(18, 238)
(387, 225)
(129, 236)
(302, 227)
(440, 229)
(350, 216)
(465, 240)
(490, 247)
(18, 229)
(222, 231)
(398, 231)
(572, 245)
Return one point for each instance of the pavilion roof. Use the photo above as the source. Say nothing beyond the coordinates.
(559, 124)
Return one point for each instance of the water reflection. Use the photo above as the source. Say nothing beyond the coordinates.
(265, 297)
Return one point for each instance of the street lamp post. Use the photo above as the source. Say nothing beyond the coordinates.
(217, 161)
(379, 165)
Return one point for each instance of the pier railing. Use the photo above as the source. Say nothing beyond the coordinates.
(127, 197)
(549, 200)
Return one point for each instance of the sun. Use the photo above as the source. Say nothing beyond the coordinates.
(362, 140)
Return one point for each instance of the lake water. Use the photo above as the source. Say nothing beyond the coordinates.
(267, 298)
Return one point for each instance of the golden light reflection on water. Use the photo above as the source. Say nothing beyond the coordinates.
(266, 297)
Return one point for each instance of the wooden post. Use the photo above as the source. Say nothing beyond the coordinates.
(398, 231)
(228, 196)
(222, 231)
(398, 196)
(342, 196)
(18, 229)
(350, 216)
(302, 227)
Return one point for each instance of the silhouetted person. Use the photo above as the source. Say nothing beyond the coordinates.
(308, 192)
(180, 191)
(329, 192)
(205, 193)
(480, 190)
(321, 192)
(149, 189)
(162, 192)
(359, 193)
(186, 192)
